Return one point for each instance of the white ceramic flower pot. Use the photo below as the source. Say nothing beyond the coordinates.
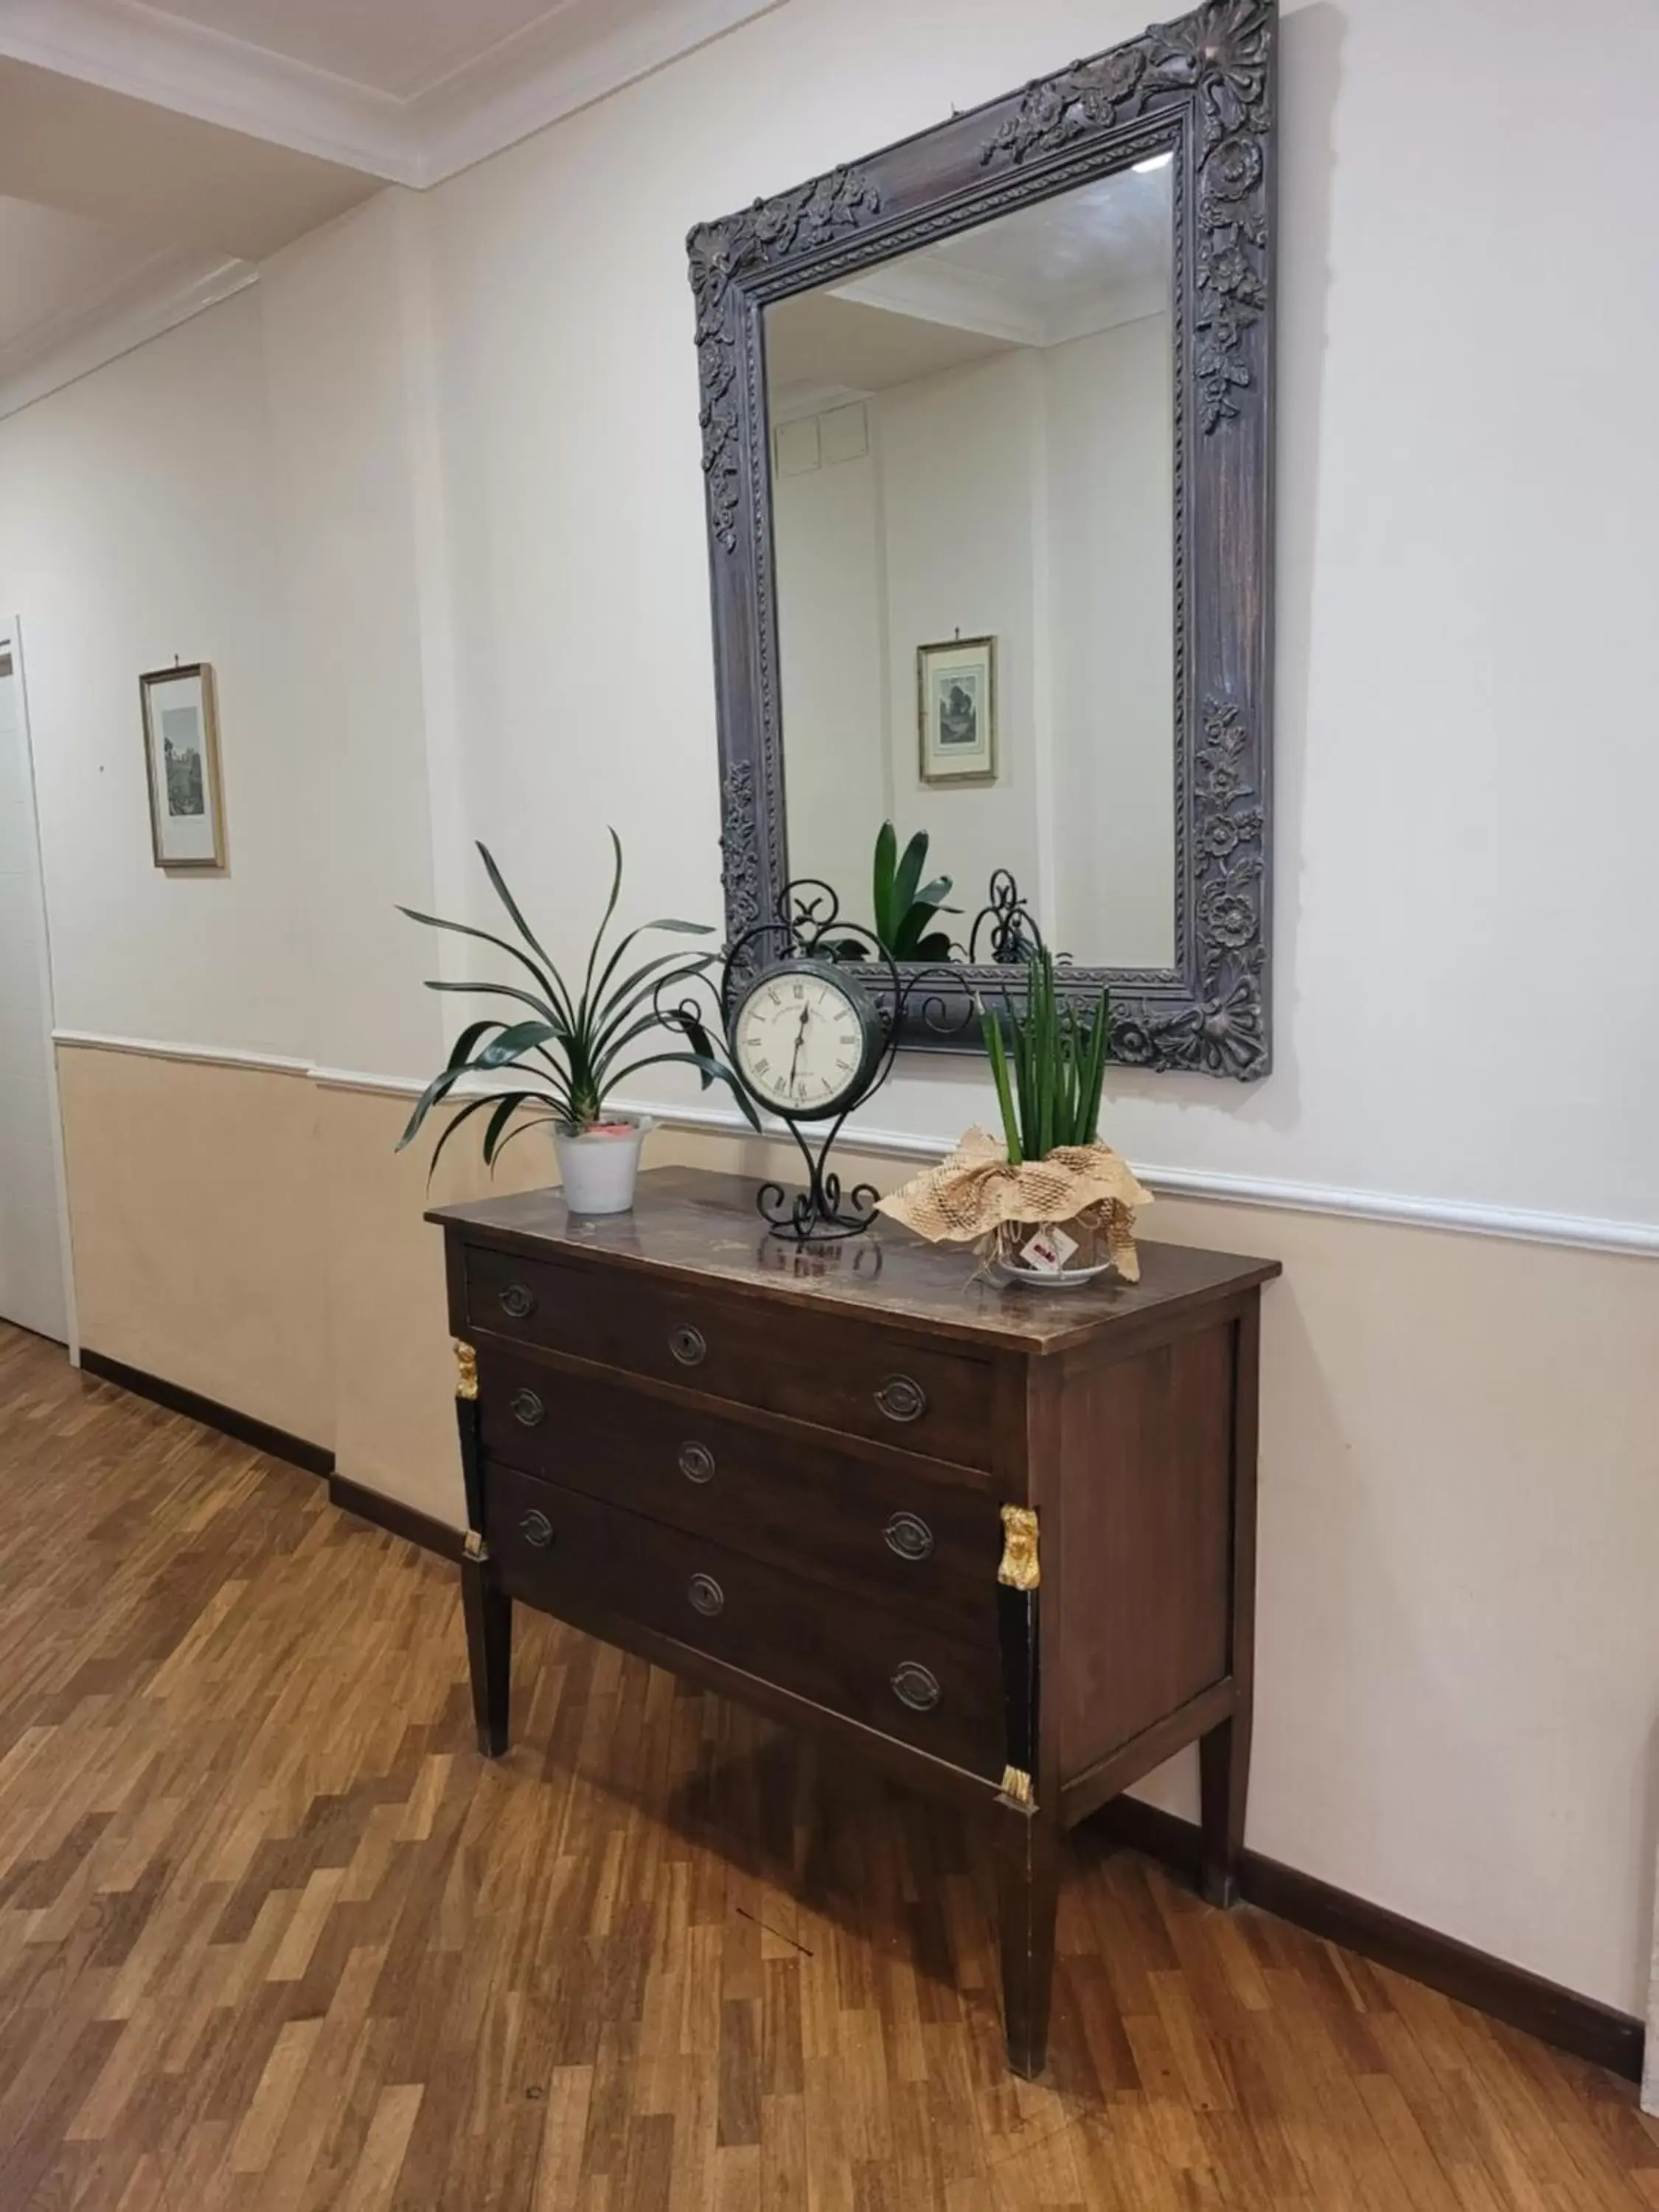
(598, 1168)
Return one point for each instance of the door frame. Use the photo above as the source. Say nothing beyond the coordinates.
(11, 634)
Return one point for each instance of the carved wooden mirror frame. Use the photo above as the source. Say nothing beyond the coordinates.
(1203, 89)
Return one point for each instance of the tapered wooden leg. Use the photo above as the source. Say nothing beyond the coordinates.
(489, 1654)
(1224, 1776)
(1028, 1883)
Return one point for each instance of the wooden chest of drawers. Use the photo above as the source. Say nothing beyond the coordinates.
(1002, 1542)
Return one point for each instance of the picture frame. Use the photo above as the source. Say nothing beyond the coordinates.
(957, 711)
(181, 767)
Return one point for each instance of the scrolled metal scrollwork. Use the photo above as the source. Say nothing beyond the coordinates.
(1221, 54)
(809, 927)
(796, 222)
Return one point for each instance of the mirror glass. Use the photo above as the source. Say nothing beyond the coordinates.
(973, 537)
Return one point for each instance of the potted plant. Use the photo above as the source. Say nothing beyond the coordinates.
(1049, 1204)
(905, 908)
(575, 1048)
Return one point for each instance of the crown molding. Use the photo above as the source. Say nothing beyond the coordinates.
(567, 58)
(147, 54)
(565, 61)
(165, 290)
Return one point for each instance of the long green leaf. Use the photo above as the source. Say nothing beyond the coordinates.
(999, 1059)
(498, 991)
(711, 1070)
(581, 1019)
(640, 986)
(510, 1099)
(512, 905)
(908, 876)
(682, 928)
(461, 1049)
(534, 1121)
(440, 1088)
(461, 1114)
(485, 937)
(881, 884)
(498, 1121)
(512, 1044)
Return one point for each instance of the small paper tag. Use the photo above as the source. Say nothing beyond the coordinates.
(1046, 1253)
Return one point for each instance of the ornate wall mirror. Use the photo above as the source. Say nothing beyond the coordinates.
(988, 434)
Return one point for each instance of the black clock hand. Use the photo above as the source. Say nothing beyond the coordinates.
(800, 1039)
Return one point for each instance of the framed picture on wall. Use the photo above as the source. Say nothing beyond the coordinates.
(956, 691)
(181, 757)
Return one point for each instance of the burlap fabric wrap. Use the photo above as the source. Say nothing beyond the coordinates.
(967, 1198)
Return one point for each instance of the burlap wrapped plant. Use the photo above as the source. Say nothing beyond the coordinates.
(979, 1196)
(1048, 1062)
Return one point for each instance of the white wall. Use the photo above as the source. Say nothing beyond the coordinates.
(832, 650)
(136, 527)
(1460, 601)
(1110, 642)
(961, 475)
(431, 499)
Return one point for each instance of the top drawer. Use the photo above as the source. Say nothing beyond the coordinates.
(848, 1376)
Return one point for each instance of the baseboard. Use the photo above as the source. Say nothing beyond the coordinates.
(1561, 2017)
(315, 1459)
(372, 1505)
(391, 1514)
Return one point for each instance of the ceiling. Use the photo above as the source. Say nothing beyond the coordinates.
(151, 156)
(1049, 273)
(52, 262)
(397, 46)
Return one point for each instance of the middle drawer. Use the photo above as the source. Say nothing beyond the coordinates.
(902, 1537)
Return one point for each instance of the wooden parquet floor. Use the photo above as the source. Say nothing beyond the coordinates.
(273, 1936)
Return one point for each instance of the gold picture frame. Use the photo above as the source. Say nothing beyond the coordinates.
(957, 711)
(181, 767)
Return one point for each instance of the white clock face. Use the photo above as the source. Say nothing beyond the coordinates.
(800, 1041)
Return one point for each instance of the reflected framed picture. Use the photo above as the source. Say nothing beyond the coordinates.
(181, 757)
(956, 690)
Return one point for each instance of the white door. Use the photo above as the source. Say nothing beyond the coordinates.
(34, 1236)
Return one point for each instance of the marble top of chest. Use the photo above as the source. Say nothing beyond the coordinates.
(688, 1223)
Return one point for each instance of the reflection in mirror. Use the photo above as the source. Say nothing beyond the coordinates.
(974, 530)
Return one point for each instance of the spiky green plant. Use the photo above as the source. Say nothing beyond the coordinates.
(575, 1046)
(904, 908)
(1052, 1096)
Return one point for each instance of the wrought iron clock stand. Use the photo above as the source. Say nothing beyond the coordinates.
(809, 919)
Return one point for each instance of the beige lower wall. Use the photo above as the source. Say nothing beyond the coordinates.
(195, 1225)
(1458, 1667)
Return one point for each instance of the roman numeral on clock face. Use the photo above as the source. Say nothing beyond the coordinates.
(800, 1043)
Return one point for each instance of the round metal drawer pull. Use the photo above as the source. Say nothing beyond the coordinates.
(527, 1408)
(909, 1536)
(688, 1346)
(706, 1594)
(518, 1301)
(915, 1686)
(696, 1463)
(537, 1529)
(900, 1399)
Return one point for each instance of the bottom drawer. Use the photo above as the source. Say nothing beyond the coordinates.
(574, 1555)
